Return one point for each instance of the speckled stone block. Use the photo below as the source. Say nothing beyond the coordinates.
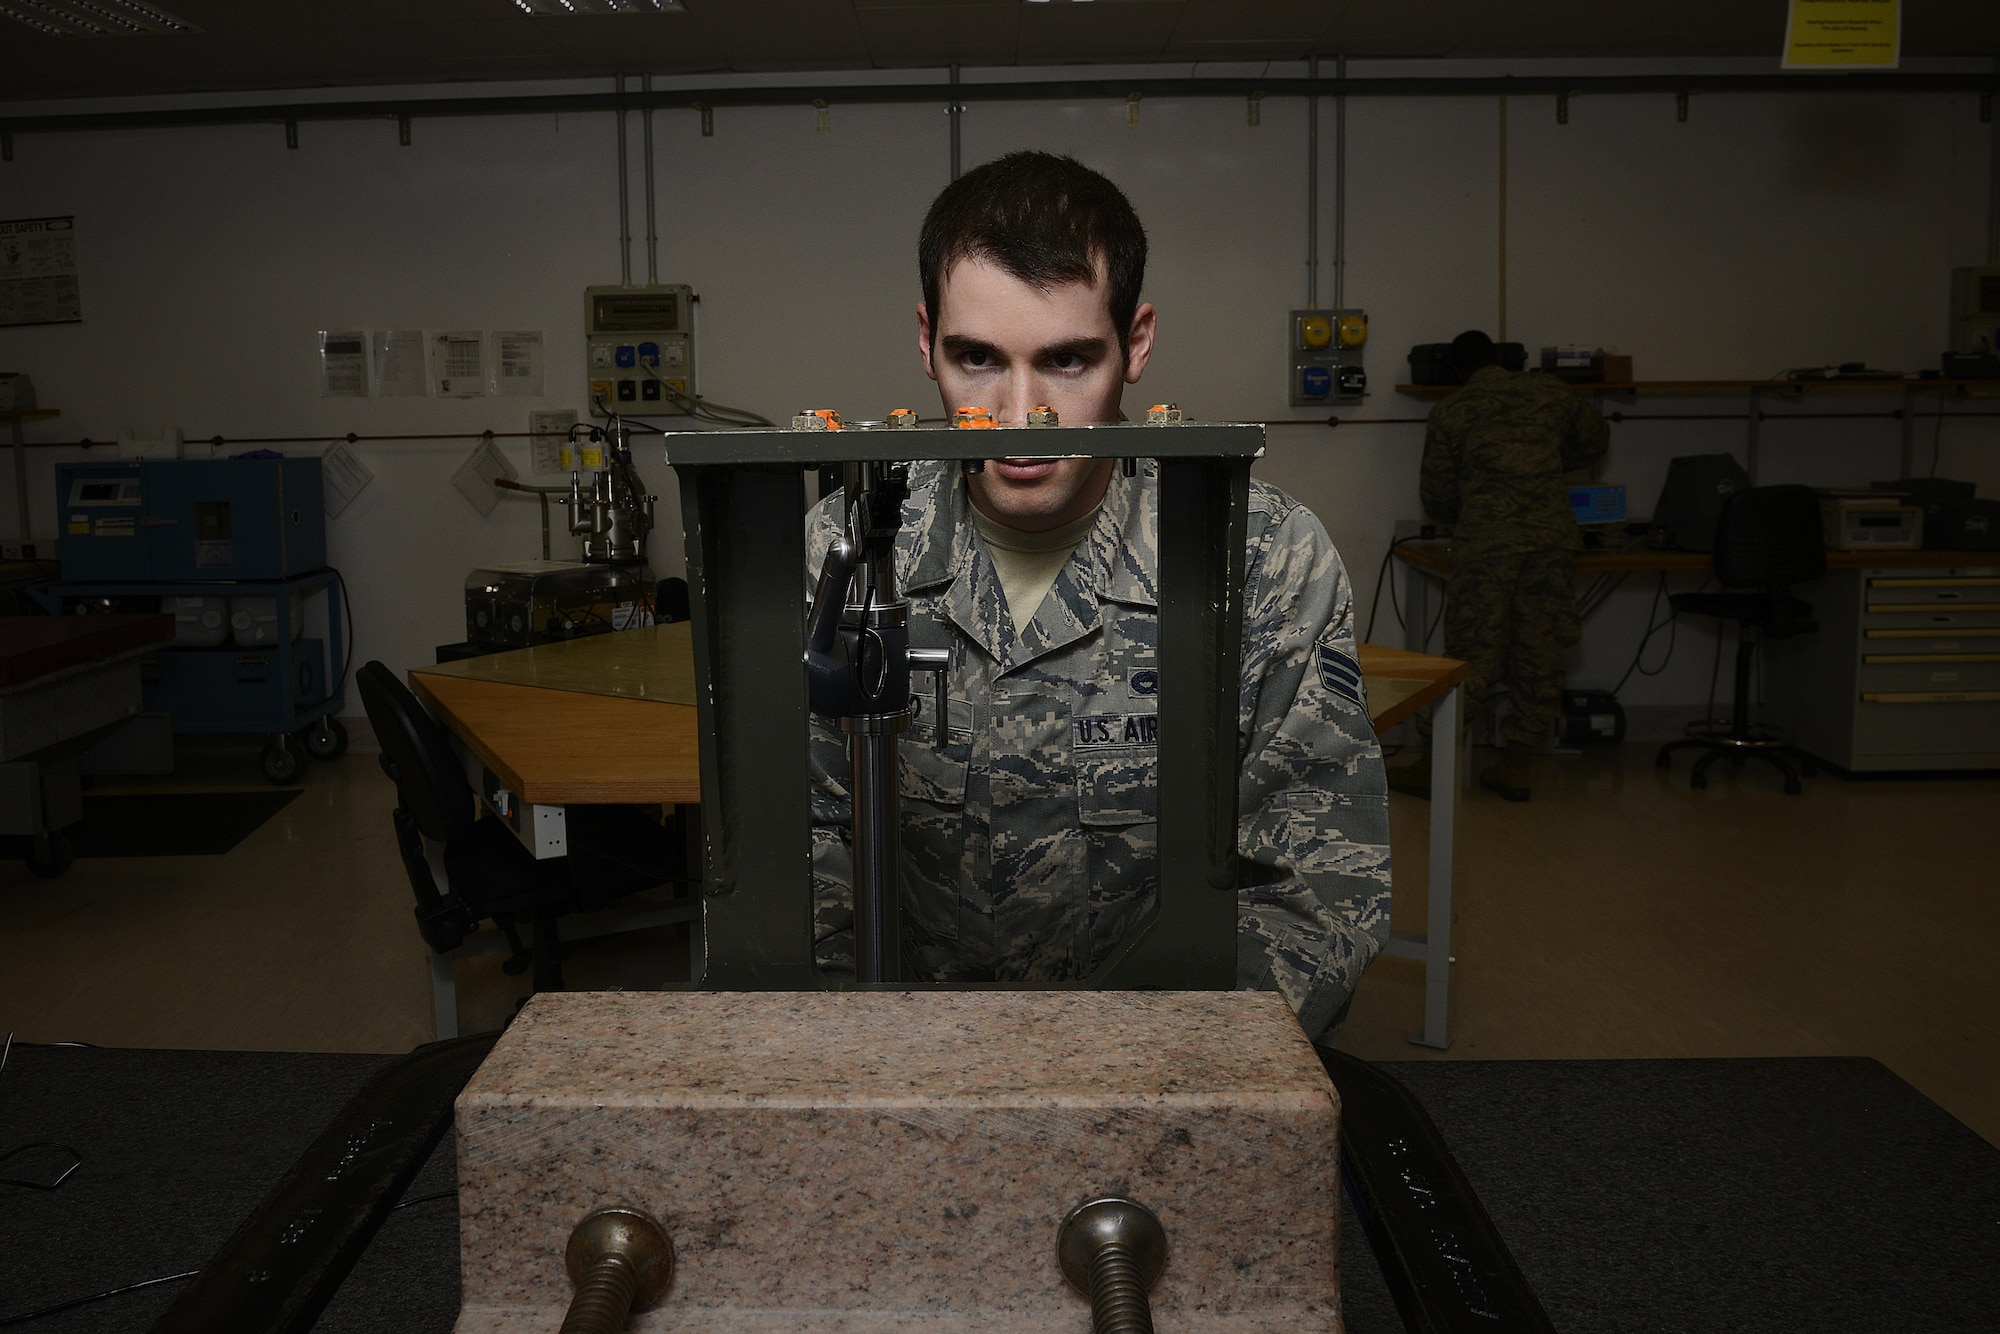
(859, 1163)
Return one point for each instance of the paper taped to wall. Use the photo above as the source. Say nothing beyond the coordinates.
(475, 477)
(458, 364)
(518, 363)
(343, 363)
(548, 432)
(398, 359)
(38, 272)
(342, 477)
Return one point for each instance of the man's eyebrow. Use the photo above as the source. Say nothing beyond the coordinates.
(959, 344)
(1074, 347)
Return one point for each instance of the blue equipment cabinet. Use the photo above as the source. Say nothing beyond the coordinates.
(228, 528)
(190, 519)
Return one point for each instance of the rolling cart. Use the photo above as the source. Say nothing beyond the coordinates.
(237, 549)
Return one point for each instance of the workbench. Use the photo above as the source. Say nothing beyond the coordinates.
(62, 678)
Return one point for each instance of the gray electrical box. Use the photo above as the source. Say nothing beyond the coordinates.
(1323, 350)
(639, 349)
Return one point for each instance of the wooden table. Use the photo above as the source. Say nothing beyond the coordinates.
(1399, 683)
(603, 721)
(610, 720)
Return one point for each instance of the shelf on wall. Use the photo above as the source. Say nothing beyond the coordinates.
(1737, 388)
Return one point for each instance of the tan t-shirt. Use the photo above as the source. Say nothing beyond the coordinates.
(1028, 563)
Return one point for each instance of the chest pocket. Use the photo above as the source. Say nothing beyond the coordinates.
(1117, 769)
(924, 771)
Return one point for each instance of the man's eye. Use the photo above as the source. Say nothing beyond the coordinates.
(977, 358)
(1066, 361)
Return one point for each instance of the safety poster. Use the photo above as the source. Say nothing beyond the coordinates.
(38, 272)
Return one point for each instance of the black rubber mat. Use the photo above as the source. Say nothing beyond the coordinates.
(172, 824)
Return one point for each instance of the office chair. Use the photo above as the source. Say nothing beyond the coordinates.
(487, 873)
(1767, 539)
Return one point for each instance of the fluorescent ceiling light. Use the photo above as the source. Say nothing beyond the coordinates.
(95, 18)
(579, 8)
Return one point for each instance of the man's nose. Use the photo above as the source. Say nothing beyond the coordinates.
(1017, 394)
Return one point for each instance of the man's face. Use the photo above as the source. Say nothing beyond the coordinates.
(1009, 347)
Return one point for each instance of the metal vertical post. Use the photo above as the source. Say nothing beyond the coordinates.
(1501, 337)
(624, 195)
(1909, 450)
(752, 700)
(1340, 188)
(21, 475)
(1312, 189)
(1755, 429)
(1447, 754)
(652, 222)
(1204, 503)
(956, 113)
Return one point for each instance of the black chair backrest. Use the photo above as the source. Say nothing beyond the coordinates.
(1769, 537)
(416, 754)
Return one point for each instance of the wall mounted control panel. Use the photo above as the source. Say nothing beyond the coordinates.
(639, 349)
(1323, 351)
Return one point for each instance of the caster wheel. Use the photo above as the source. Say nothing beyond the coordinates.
(282, 761)
(1807, 769)
(1793, 787)
(1663, 761)
(53, 862)
(326, 739)
(1698, 782)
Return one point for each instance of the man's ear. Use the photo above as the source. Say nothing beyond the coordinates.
(924, 336)
(1139, 343)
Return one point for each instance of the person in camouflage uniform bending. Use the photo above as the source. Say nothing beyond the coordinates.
(1495, 457)
(1029, 818)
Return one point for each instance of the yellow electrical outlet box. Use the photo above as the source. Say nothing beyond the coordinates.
(1325, 357)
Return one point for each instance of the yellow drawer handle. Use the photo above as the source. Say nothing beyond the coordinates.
(1930, 657)
(1892, 608)
(1942, 632)
(1959, 582)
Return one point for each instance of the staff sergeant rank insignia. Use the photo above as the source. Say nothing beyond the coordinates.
(1339, 672)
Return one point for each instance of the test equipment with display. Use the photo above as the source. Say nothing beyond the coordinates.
(639, 348)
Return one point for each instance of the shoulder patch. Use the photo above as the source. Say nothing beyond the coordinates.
(1339, 672)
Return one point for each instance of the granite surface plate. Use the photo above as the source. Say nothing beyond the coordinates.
(873, 1162)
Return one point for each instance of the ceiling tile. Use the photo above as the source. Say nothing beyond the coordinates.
(904, 35)
(1135, 31)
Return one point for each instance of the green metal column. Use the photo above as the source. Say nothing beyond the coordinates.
(746, 561)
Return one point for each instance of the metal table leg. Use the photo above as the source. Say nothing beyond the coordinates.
(1433, 947)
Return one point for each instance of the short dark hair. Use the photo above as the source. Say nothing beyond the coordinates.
(1471, 351)
(1042, 218)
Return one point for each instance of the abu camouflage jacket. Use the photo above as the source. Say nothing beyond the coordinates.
(1029, 835)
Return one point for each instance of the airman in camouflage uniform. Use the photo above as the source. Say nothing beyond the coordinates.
(1029, 836)
(1495, 455)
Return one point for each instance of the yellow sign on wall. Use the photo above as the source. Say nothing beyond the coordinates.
(1844, 34)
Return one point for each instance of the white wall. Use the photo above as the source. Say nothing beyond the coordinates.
(1767, 232)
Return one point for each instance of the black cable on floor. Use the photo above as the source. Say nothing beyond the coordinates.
(75, 1157)
(8, 1322)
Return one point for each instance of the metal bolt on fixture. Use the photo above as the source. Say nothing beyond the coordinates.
(1113, 1251)
(620, 1261)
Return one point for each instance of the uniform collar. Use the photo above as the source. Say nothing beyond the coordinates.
(1116, 561)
